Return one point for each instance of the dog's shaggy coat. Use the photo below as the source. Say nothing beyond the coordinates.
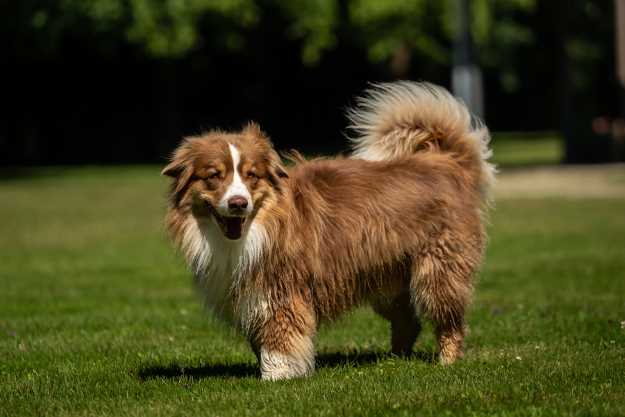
(399, 224)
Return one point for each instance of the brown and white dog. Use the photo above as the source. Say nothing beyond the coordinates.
(399, 224)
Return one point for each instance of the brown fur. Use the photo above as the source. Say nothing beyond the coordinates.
(403, 233)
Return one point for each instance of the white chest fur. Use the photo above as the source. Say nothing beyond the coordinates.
(219, 264)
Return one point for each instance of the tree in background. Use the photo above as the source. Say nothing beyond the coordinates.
(393, 31)
(534, 53)
(163, 29)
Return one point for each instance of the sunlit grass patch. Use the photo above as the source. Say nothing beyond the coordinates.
(97, 318)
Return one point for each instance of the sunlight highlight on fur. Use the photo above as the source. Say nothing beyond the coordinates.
(395, 119)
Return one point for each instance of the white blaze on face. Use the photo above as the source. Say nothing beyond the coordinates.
(236, 187)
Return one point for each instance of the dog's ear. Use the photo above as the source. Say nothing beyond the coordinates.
(253, 129)
(180, 168)
(173, 169)
(276, 171)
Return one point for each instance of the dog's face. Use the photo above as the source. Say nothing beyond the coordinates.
(226, 177)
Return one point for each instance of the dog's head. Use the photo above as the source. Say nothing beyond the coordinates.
(226, 177)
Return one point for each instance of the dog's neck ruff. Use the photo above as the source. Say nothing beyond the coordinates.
(219, 264)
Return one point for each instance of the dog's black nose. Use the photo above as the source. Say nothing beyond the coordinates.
(237, 202)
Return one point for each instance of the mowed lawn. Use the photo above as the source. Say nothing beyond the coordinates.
(516, 149)
(97, 317)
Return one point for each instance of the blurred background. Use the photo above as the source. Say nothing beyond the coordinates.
(97, 316)
(121, 81)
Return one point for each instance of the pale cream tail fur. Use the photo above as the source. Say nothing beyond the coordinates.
(398, 119)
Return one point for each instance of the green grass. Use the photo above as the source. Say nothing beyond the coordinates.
(97, 318)
(520, 149)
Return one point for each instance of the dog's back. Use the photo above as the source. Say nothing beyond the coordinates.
(369, 224)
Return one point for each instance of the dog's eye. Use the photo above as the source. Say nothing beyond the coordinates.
(214, 175)
(252, 175)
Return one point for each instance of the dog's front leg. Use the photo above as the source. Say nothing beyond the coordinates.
(284, 345)
(298, 361)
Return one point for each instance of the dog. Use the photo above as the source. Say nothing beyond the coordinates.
(399, 224)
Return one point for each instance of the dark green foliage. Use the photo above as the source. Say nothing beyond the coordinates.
(170, 29)
(134, 76)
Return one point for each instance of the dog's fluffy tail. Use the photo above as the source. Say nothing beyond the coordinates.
(398, 119)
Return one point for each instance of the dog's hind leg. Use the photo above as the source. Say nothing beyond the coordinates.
(405, 325)
(441, 291)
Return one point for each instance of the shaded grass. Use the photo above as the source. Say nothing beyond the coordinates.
(97, 317)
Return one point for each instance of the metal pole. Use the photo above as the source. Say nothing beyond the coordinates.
(619, 14)
(466, 77)
(618, 126)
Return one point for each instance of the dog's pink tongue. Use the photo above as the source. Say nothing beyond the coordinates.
(234, 227)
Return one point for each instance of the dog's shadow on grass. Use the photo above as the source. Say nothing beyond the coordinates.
(243, 370)
(175, 371)
(341, 359)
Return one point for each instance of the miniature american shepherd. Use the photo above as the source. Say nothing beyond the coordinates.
(399, 224)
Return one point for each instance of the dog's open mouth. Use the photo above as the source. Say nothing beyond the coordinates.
(231, 226)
